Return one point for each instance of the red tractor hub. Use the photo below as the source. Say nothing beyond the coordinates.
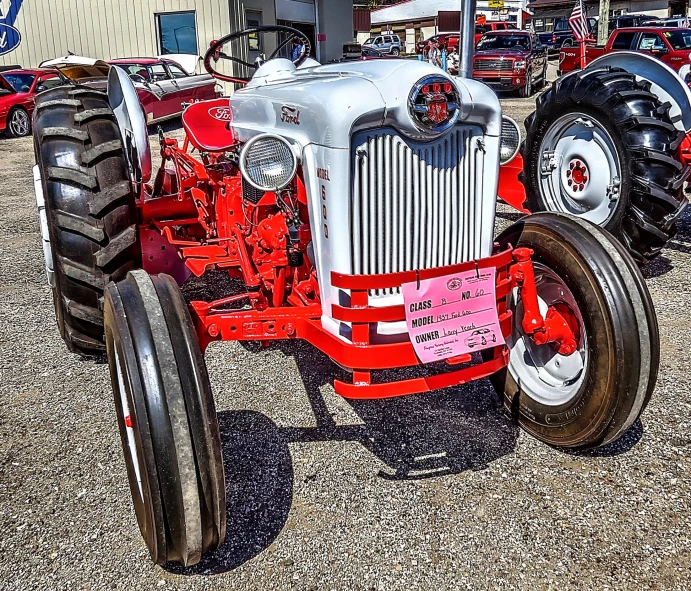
(577, 175)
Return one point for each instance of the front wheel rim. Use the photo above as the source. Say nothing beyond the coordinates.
(577, 144)
(541, 372)
(128, 419)
(19, 123)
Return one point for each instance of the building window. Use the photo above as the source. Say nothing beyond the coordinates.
(177, 32)
(254, 19)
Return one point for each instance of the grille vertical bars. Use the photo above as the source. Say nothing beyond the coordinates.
(415, 205)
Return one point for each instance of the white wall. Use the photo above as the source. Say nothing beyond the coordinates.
(105, 29)
(336, 22)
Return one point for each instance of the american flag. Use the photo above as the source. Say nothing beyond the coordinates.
(578, 22)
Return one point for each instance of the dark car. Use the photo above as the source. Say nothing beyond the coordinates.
(624, 21)
(511, 60)
(562, 35)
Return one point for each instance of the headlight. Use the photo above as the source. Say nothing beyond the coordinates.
(519, 65)
(510, 140)
(267, 162)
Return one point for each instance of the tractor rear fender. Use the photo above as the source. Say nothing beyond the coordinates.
(666, 83)
(124, 100)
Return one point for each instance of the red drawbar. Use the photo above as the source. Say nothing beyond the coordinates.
(359, 354)
(207, 124)
(511, 189)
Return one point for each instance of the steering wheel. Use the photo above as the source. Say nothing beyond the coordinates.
(216, 53)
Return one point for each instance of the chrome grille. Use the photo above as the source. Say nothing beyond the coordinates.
(416, 205)
(487, 65)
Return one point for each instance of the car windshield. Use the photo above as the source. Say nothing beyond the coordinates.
(20, 82)
(679, 39)
(369, 41)
(504, 42)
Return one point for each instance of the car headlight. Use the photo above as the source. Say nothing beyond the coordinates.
(519, 65)
(268, 162)
(510, 140)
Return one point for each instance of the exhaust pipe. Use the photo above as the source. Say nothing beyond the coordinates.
(467, 43)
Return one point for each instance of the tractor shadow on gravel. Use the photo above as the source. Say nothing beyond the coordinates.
(425, 436)
(415, 437)
(681, 243)
(430, 435)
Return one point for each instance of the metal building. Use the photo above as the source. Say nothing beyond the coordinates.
(32, 31)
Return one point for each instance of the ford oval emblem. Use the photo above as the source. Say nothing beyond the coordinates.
(221, 113)
(10, 38)
(434, 104)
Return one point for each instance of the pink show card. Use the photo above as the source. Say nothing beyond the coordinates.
(452, 315)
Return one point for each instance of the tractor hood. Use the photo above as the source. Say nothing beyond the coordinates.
(325, 105)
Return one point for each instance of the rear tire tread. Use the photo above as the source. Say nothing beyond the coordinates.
(90, 204)
(654, 199)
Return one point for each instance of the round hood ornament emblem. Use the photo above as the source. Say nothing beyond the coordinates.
(435, 104)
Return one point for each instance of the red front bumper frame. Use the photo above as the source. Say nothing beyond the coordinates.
(360, 355)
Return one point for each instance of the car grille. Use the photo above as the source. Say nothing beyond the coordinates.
(493, 65)
(414, 204)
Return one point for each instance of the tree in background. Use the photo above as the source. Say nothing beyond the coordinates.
(372, 4)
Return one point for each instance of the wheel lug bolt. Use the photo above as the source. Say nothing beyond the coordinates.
(582, 187)
(570, 182)
(571, 166)
(568, 173)
(578, 163)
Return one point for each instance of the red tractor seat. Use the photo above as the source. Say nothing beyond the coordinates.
(207, 125)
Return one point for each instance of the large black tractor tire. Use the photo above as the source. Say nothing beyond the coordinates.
(167, 418)
(90, 208)
(593, 396)
(640, 204)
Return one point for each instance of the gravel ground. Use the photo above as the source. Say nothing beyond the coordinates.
(429, 492)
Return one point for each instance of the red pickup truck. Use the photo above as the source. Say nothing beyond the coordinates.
(511, 60)
(671, 46)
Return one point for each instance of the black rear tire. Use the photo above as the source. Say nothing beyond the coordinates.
(90, 208)
(621, 341)
(167, 418)
(651, 189)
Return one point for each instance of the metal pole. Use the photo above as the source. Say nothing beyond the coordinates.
(603, 25)
(467, 44)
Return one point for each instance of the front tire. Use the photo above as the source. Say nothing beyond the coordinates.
(90, 209)
(609, 130)
(395, 51)
(592, 397)
(18, 123)
(167, 418)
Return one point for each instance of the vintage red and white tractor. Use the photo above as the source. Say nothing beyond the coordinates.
(355, 203)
